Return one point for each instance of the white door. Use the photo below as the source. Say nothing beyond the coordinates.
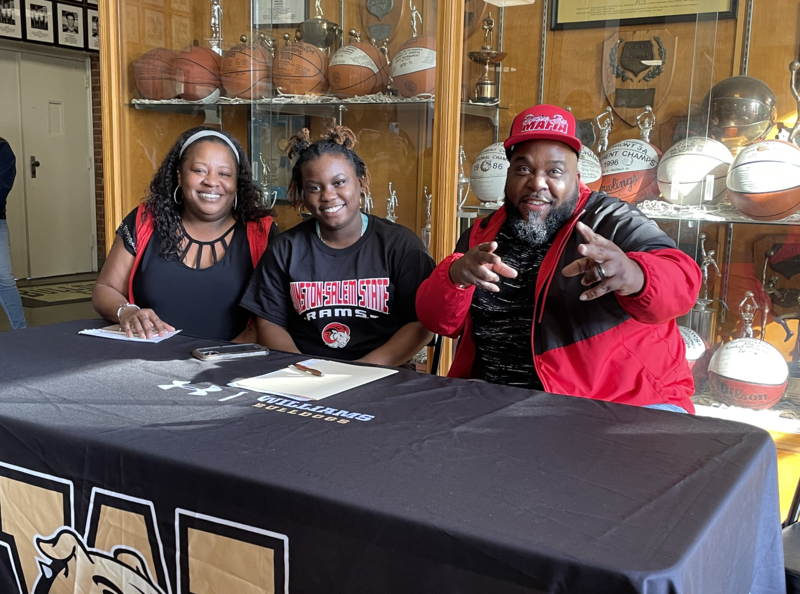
(11, 130)
(56, 134)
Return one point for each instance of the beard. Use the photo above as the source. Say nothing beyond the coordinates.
(536, 231)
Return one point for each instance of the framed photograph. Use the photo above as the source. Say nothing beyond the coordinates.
(279, 12)
(39, 23)
(69, 22)
(91, 2)
(580, 14)
(92, 30)
(10, 19)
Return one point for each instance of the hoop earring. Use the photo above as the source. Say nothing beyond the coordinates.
(300, 212)
(175, 196)
(235, 200)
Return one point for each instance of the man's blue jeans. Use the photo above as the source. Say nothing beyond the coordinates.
(9, 296)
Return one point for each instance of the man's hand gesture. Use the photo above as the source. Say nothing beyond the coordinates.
(604, 263)
(480, 267)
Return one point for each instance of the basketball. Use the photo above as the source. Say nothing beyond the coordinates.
(299, 69)
(153, 74)
(488, 176)
(629, 171)
(246, 71)
(698, 353)
(414, 67)
(748, 372)
(589, 168)
(685, 168)
(358, 69)
(197, 73)
(764, 180)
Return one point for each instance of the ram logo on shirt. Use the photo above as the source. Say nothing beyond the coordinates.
(348, 298)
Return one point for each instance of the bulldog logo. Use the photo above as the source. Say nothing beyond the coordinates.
(336, 335)
(68, 566)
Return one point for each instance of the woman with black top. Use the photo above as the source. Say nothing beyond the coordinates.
(342, 284)
(188, 251)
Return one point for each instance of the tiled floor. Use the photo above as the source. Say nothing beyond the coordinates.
(41, 316)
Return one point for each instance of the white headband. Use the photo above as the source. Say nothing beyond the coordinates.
(203, 134)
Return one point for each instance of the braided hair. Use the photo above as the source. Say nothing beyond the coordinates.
(340, 140)
(167, 215)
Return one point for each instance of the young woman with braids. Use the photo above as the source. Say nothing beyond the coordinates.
(188, 251)
(341, 284)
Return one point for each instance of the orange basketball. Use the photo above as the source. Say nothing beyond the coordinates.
(299, 69)
(358, 69)
(246, 72)
(196, 73)
(414, 67)
(153, 74)
(630, 170)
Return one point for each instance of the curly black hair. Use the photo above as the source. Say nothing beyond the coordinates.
(167, 215)
(340, 140)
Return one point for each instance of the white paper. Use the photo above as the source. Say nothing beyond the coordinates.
(115, 333)
(295, 384)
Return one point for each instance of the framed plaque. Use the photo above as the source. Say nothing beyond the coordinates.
(91, 2)
(39, 23)
(69, 22)
(92, 30)
(579, 14)
(279, 12)
(10, 19)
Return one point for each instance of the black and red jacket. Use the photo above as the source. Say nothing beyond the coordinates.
(624, 349)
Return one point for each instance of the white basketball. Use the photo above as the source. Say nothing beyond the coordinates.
(488, 176)
(748, 372)
(629, 171)
(686, 167)
(589, 168)
(696, 347)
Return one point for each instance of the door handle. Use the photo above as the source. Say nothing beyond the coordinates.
(34, 165)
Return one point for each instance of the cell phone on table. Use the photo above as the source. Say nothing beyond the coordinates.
(230, 351)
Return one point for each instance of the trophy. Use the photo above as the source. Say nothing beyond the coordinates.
(268, 43)
(367, 205)
(793, 68)
(391, 205)
(425, 234)
(701, 316)
(463, 180)
(741, 110)
(646, 121)
(604, 123)
(747, 309)
(773, 294)
(319, 31)
(215, 41)
(486, 88)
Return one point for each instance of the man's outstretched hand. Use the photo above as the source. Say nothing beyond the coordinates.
(605, 266)
(480, 267)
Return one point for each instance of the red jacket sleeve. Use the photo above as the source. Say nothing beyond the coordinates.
(671, 285)
(442, 307)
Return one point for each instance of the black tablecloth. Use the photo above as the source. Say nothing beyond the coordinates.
(410, 484)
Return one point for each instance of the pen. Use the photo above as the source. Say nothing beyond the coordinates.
(308, 370)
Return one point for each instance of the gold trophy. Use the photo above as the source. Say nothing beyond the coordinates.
(486, 88)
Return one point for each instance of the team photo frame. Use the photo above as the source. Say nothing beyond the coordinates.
(39, 23)
(10, 19)
(70, 24)
(92, 30)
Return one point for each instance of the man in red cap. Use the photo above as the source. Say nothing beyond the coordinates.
(564, 289)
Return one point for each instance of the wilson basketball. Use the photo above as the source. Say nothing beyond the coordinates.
(246, 72)
(589, 168)
(692, 172)
(153, 74)
(196, 73)
(764, 180)
(629, 171)
(698, 353)
(488, 175)
(748, 372)
(299, 69)
(414, 67)
(358, 69)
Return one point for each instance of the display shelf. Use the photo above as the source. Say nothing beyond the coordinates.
(717, 213)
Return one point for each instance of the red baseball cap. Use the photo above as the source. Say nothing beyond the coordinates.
(544, 122)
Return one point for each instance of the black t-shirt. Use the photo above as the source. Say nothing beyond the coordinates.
(201, 302)
(502, 321)
(340, 303)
